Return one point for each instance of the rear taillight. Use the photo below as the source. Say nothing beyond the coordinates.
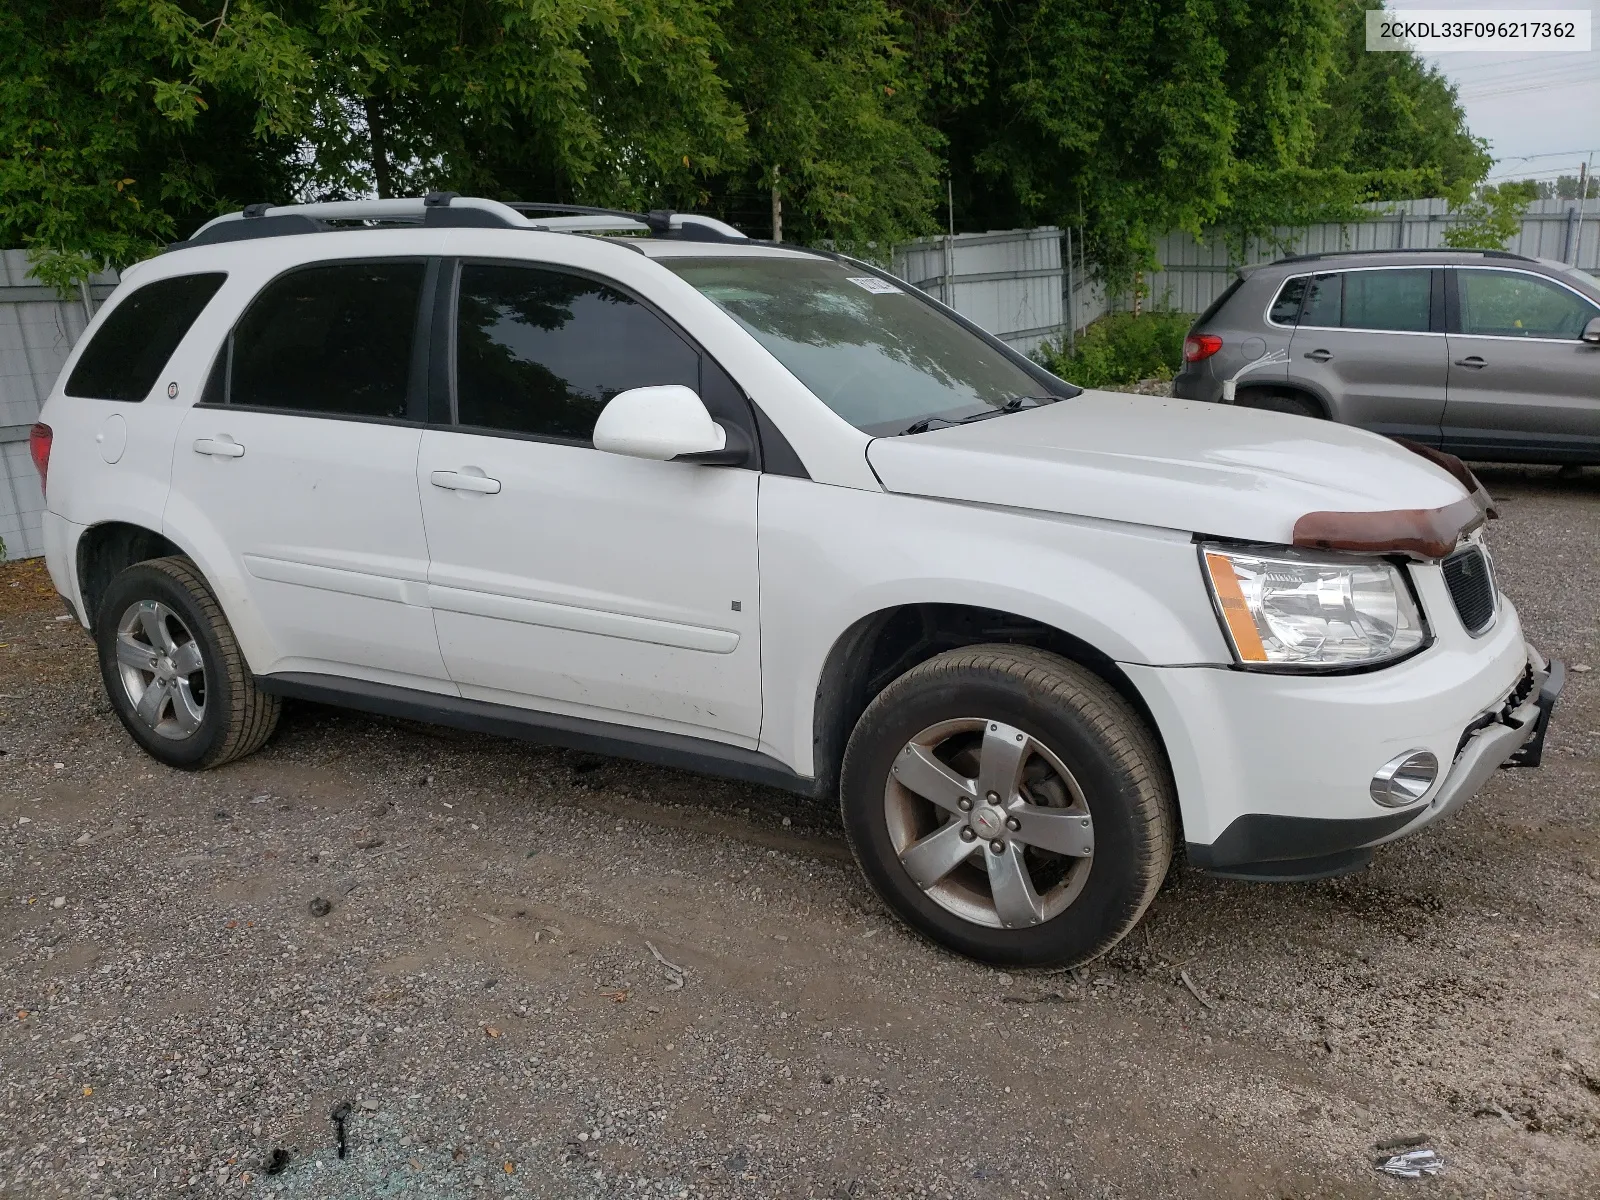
(39, 446)
(1200, 345)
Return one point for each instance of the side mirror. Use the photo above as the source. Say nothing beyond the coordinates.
(663, 422)
(1591, 331)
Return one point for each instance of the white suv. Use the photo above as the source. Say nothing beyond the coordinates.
(643, 486)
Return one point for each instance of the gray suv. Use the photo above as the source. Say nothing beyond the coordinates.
(1483, 353)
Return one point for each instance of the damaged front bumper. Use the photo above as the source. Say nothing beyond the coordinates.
(1509, 736)
(1289, 849)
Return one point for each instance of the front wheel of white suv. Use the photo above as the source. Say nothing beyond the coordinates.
(1009, 805)
(173, 671)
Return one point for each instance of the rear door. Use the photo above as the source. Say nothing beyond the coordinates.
(1373, 341)
(564, 578)
(300, 463)
(1522, 383)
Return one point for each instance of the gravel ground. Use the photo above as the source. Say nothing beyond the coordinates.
(482, 999)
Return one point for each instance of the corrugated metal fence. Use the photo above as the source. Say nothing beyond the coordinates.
(1009, 282)
(37, 330)
(1016, 283)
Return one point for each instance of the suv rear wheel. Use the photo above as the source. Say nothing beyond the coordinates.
(1009, 805)
(1284, 402)
(174, 672)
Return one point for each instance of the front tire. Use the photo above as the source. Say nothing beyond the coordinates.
(173, 670)
(1009, 805)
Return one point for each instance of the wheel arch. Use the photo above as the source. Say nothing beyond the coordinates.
(881, 646)
(109, 548)
(1304, 391)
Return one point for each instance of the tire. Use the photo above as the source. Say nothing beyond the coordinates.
(1284, 402)
(1117, 792)
(164, 641)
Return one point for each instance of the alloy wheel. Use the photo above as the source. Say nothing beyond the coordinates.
(162, 669)
(989, 823)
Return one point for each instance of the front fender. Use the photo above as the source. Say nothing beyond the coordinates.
(833, 556)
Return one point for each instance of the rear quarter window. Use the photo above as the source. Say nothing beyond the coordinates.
(1286, 308)
(127, 353)
(1215, 306)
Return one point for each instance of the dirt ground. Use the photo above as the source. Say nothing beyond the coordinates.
(489, 992)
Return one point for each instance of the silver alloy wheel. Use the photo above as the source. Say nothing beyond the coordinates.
(162, 670)
(989, 823)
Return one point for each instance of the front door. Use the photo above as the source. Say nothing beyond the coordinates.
(1521, 381)
(567, 579)
(300, 463)
(1373, 341)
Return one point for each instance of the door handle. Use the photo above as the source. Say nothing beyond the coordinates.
(222, 447)
(1319, 355)
(1472, 363)
(459, 481)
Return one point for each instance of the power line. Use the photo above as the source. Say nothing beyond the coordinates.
(1553, 85)
(1547, 78)
(1549, 154)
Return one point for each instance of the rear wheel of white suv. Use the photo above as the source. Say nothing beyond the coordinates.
(1009, 805)
(174, 672)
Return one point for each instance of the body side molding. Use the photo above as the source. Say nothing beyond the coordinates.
(553, 729)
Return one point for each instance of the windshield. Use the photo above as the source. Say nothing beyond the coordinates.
(881, 358)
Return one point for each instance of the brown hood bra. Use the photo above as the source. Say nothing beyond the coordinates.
(1427, 532)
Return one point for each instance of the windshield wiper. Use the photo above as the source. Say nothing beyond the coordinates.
(1015, 404)
(926, 424)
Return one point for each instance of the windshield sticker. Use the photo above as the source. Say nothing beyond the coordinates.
(871, 283)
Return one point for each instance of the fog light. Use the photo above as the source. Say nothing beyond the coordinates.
(1404, 780)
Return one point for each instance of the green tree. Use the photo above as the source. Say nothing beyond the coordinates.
(839, 147)
(1392, 112)
(91, 170)
(125, 122)
(1133, 117)
(1492, 217)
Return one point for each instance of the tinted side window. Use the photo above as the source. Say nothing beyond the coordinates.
(1513, 304)
(540, 351)
(1323, 300)
(138, 336)
(1286, 308)
(335, 339)
(1387, 300)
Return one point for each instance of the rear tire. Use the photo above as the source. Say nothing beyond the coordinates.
(1283, 402)
(1090, 825)
(173, 670)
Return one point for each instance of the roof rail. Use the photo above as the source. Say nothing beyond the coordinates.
(1293, 258)
(449, 210)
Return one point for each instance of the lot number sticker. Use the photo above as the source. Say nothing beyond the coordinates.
(871, 283)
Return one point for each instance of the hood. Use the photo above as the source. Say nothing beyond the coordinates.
(1175, 464)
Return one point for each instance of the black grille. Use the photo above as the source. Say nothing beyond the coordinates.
(1471, 584)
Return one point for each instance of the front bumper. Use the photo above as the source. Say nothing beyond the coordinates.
(1278, 848)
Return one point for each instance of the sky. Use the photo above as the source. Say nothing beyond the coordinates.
(1540, 111)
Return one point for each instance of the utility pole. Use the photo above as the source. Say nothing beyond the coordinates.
(948, 291)
(1072, 332)
(777, 208)
(1583, 199)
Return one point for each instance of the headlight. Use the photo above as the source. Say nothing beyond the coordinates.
(1303, 611)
